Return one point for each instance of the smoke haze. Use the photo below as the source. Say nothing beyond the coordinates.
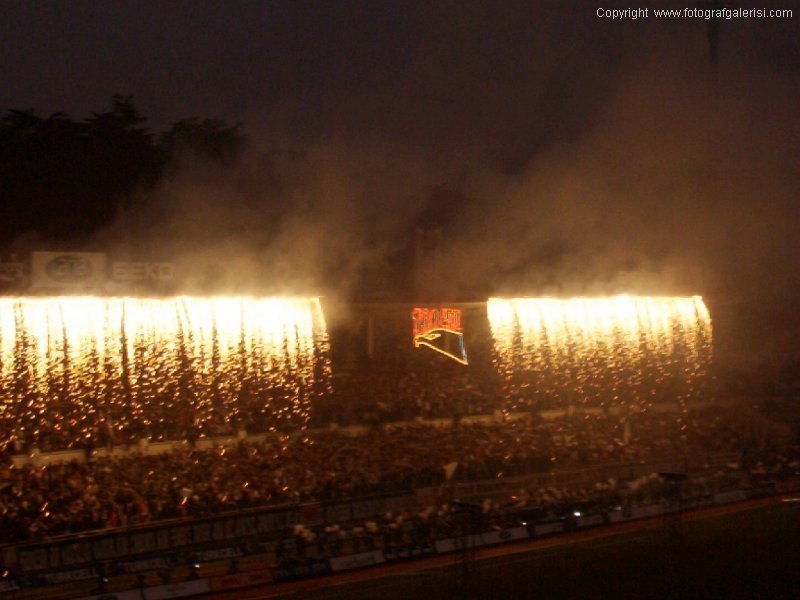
(558, 152)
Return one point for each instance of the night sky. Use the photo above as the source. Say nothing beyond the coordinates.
(520, 72)
(564, 153)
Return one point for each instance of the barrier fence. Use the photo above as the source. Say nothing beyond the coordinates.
(161, 545)
(589, 476)
(134, 548)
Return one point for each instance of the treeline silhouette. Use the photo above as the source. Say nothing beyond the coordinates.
(65, 178)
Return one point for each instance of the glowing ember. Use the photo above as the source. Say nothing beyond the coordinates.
(620, 350)
(136, 366)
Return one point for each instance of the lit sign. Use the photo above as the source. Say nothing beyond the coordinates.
(68, 271)
(440, 329)
(142, 271)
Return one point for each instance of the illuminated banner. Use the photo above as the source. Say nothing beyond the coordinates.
(440, 329)
(68, 270)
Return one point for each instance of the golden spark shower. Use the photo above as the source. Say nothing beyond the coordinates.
(619, 351)
(132, 367)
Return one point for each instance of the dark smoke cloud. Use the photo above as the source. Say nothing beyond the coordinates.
(681, 184)
(306, 220)
(588, 157)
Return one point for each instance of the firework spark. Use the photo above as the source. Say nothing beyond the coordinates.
(622, 350)
(134, 366)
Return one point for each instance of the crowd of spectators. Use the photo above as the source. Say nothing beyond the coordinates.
(535, 505)
(387, 395)
(40, 501)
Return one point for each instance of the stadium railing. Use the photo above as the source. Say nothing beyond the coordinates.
(196, 533)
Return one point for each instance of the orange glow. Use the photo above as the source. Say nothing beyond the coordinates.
(620, 349)
(92, 360)
(427, 319)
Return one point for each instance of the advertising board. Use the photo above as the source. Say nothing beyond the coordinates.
(68, 271)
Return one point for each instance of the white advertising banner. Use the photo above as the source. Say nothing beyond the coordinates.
(548, 528)
(487, 538)
(727, 497)
(504, 535)
(193, 587)
(651, 510)
(354, 561)
(127, 595)
(616, 516)
(142, 271)
(68, 271)
(589, 520)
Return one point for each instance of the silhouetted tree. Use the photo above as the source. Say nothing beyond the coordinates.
(207, 139)
(66, 179)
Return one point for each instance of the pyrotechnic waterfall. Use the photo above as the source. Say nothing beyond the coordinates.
(130, 367)
(622, 350)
